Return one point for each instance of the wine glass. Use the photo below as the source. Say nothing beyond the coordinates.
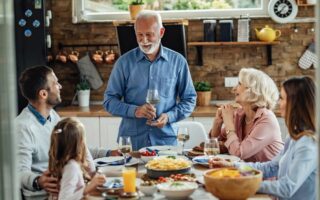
(211, 147)
(125, 147)
(153, 97)
(183, 136)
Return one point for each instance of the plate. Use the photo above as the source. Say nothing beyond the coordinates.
(114, 184)
(203, 160)
(115, 161)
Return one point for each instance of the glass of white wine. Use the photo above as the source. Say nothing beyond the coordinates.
(183, 136)
(153, 97)
(211, 147)
(125, 147)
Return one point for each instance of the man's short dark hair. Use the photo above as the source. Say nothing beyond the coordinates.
(32, 80)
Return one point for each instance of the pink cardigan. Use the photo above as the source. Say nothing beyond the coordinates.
(263, 141)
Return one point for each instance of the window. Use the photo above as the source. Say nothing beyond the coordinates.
(107, 10)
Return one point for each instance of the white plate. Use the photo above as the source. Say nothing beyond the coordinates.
(224, 156)
(161, 148)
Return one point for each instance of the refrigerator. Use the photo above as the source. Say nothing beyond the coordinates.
(30, 38)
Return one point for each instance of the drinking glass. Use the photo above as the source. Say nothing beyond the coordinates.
(153, 97)
(129, 179)
(125, 147)
(183, 136)
(211, 147)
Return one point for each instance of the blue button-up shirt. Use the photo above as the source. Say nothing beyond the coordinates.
(132, 76)
(39, 117)
(295, 168)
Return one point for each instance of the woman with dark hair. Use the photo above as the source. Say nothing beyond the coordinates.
(296, 166)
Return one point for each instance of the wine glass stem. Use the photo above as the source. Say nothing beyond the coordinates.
(125, 159)
(182, 148)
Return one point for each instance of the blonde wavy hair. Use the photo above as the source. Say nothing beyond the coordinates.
(67, 142)
(261, 89)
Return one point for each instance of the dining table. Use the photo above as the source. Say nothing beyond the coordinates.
(196, 169)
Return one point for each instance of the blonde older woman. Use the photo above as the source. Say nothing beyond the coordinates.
(251, 132)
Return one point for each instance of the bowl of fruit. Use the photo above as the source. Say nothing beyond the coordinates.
(147, 155)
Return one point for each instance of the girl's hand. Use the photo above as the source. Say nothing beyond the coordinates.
(97, 180)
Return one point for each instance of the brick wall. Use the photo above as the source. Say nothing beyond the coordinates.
(218, 61)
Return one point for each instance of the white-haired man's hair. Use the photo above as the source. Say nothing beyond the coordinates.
(261, 89)
(147, 14)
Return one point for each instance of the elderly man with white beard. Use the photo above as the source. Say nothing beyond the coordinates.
(150, 66)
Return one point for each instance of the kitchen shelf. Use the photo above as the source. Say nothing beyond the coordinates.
(303, 3)
(306, 5)
(199, 46)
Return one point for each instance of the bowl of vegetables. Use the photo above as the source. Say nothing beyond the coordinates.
(147, 155)
(242, 182)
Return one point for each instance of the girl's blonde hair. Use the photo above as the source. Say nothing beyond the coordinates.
(67, 142)
(261, 89)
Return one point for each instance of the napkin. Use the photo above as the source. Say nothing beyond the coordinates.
(117, 162)
(202, 160)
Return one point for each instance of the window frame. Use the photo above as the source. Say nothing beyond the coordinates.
(79, 15)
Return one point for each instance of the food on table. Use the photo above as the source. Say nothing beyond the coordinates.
(146, 180)
(148, 153)
(148, 183)
(183, 177)
(197, 150)
(168, 163)
(230, 183)
(179, 185)
(231, 173)
(177, 189)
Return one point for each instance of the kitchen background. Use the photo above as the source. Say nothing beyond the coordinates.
(218, 61)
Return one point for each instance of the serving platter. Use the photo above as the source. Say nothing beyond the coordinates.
(152, 173)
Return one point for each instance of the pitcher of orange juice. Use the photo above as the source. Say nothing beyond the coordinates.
(129, 179)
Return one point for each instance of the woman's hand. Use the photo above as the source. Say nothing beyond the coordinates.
(217, 124)
(219, 162)
(227, 116)
(218, 119)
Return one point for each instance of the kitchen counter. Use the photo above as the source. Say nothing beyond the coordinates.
(98, 111)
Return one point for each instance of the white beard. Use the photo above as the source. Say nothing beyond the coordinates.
(149, 50)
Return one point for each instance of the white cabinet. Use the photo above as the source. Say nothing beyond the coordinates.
(103, 131)
(109, 127)
(91, 125)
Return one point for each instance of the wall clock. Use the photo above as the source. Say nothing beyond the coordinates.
(282, 11)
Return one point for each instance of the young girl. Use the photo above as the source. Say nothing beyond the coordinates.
(70, 160)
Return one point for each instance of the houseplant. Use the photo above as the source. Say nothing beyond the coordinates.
(135, 7)
(203, 89)
(83, 92)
